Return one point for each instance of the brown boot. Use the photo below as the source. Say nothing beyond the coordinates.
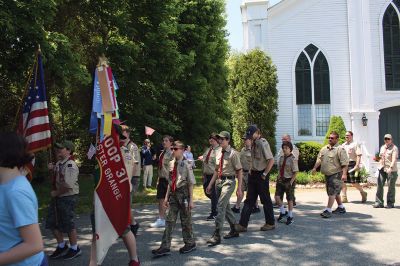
(344, 199)
(267, 227)
(363, 196)
(233, 233)
(215, 239)
(240, 228)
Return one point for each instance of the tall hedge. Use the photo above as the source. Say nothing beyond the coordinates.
(336, 124)
(308, 154)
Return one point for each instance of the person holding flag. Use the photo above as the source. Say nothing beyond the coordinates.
(61, 211)
(179, 199)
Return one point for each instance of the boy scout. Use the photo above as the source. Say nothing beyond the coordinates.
(227, 167)
(353, 150)
(165, 158)
(261, 164)
(130, 153)
(179, 199)
(288, 168)
(333, 161)
(64, 195)
(387, 171)
(209, 162)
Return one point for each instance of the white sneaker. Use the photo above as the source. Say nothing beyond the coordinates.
(158, 223)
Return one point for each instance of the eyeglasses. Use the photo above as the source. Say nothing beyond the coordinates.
(175, 149)
(387, 138)
(331, 138)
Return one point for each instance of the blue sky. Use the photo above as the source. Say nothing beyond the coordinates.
(234, 25)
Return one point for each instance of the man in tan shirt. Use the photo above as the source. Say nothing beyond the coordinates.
(262, 161)
(333, 161)
(227, 169)
(353, 150)
(387, 172)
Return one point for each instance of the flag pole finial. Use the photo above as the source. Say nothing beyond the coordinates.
(102, 61)
(38, 49)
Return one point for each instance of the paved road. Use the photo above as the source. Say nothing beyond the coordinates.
(363, 236)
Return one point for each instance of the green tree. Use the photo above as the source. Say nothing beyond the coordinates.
(336, 124)
(253, 94)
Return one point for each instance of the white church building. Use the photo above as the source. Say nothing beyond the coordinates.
(333, 57)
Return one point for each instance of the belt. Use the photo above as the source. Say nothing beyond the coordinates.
(256, 171)
(245, 171)
(232, 177)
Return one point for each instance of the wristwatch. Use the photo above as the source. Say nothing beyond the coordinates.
(264, 174)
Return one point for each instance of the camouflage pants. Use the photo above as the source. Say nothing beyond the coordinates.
(177, 206)
(224, 189)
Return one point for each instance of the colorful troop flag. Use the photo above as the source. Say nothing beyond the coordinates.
(34, 119)
(112, 192)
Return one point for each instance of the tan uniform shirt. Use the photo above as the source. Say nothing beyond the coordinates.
(130, 160)
(168, 157)
(245, 158)
(67, 176)
(353, 149)
(209, 167)
(291, 166)
(136, 159)
(389, 155)
(231, 162)
(184, 173)
(260, 154)
(332, 159)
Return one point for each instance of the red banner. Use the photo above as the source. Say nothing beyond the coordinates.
(113, 187)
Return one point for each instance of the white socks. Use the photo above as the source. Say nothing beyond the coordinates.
(61, 245)
(74, 247)
(282, 209)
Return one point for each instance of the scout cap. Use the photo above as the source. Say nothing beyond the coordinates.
(147, 141)
(69, 145)
(250, 131)
(388, 136)
(224, 134)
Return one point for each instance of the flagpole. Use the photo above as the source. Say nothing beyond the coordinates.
(15, 126)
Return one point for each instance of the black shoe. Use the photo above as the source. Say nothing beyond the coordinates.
(326, 214)
(255, 210)
(377, 205)
(289, 220)
(161, 252)
(211, 217)
(72, 254)
(235, 210)
(187, 248)
(389, 206)
(135, 228)
(231, 234)
(59, 252)
(339, 210)
(282, 217)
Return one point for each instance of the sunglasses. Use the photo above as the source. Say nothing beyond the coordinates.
(387, 138)
(175, 149)
(331, 138)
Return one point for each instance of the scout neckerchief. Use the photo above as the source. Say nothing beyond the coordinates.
(282, 169)
(58, 171)
(221, 162)
(160, 160)
(208, 154)
(174, 177)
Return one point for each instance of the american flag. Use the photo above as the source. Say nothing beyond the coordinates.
(34, 119)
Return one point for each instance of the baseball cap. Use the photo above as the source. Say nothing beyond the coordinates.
(69, 145)
(224, 134)
(388, 136)
(147, 140)
(250, 131)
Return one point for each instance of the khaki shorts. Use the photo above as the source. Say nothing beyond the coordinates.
(334, 184)
(284, 186)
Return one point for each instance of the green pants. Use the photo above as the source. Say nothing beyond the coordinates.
(391, 194)
(224, 189)
(177, 206)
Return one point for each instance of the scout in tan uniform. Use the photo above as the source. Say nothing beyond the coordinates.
(61, 211)
(353, 150)
(288, 169)
(333, 161)
(245, 160)
(387, 172)
(165, 158)
(179, 199)
(296, 154)
(227, 168)
(130, 153)
(209, 162)
(261, 164)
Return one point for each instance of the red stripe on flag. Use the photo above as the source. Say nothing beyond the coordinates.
(36, 129)
(39, 145)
